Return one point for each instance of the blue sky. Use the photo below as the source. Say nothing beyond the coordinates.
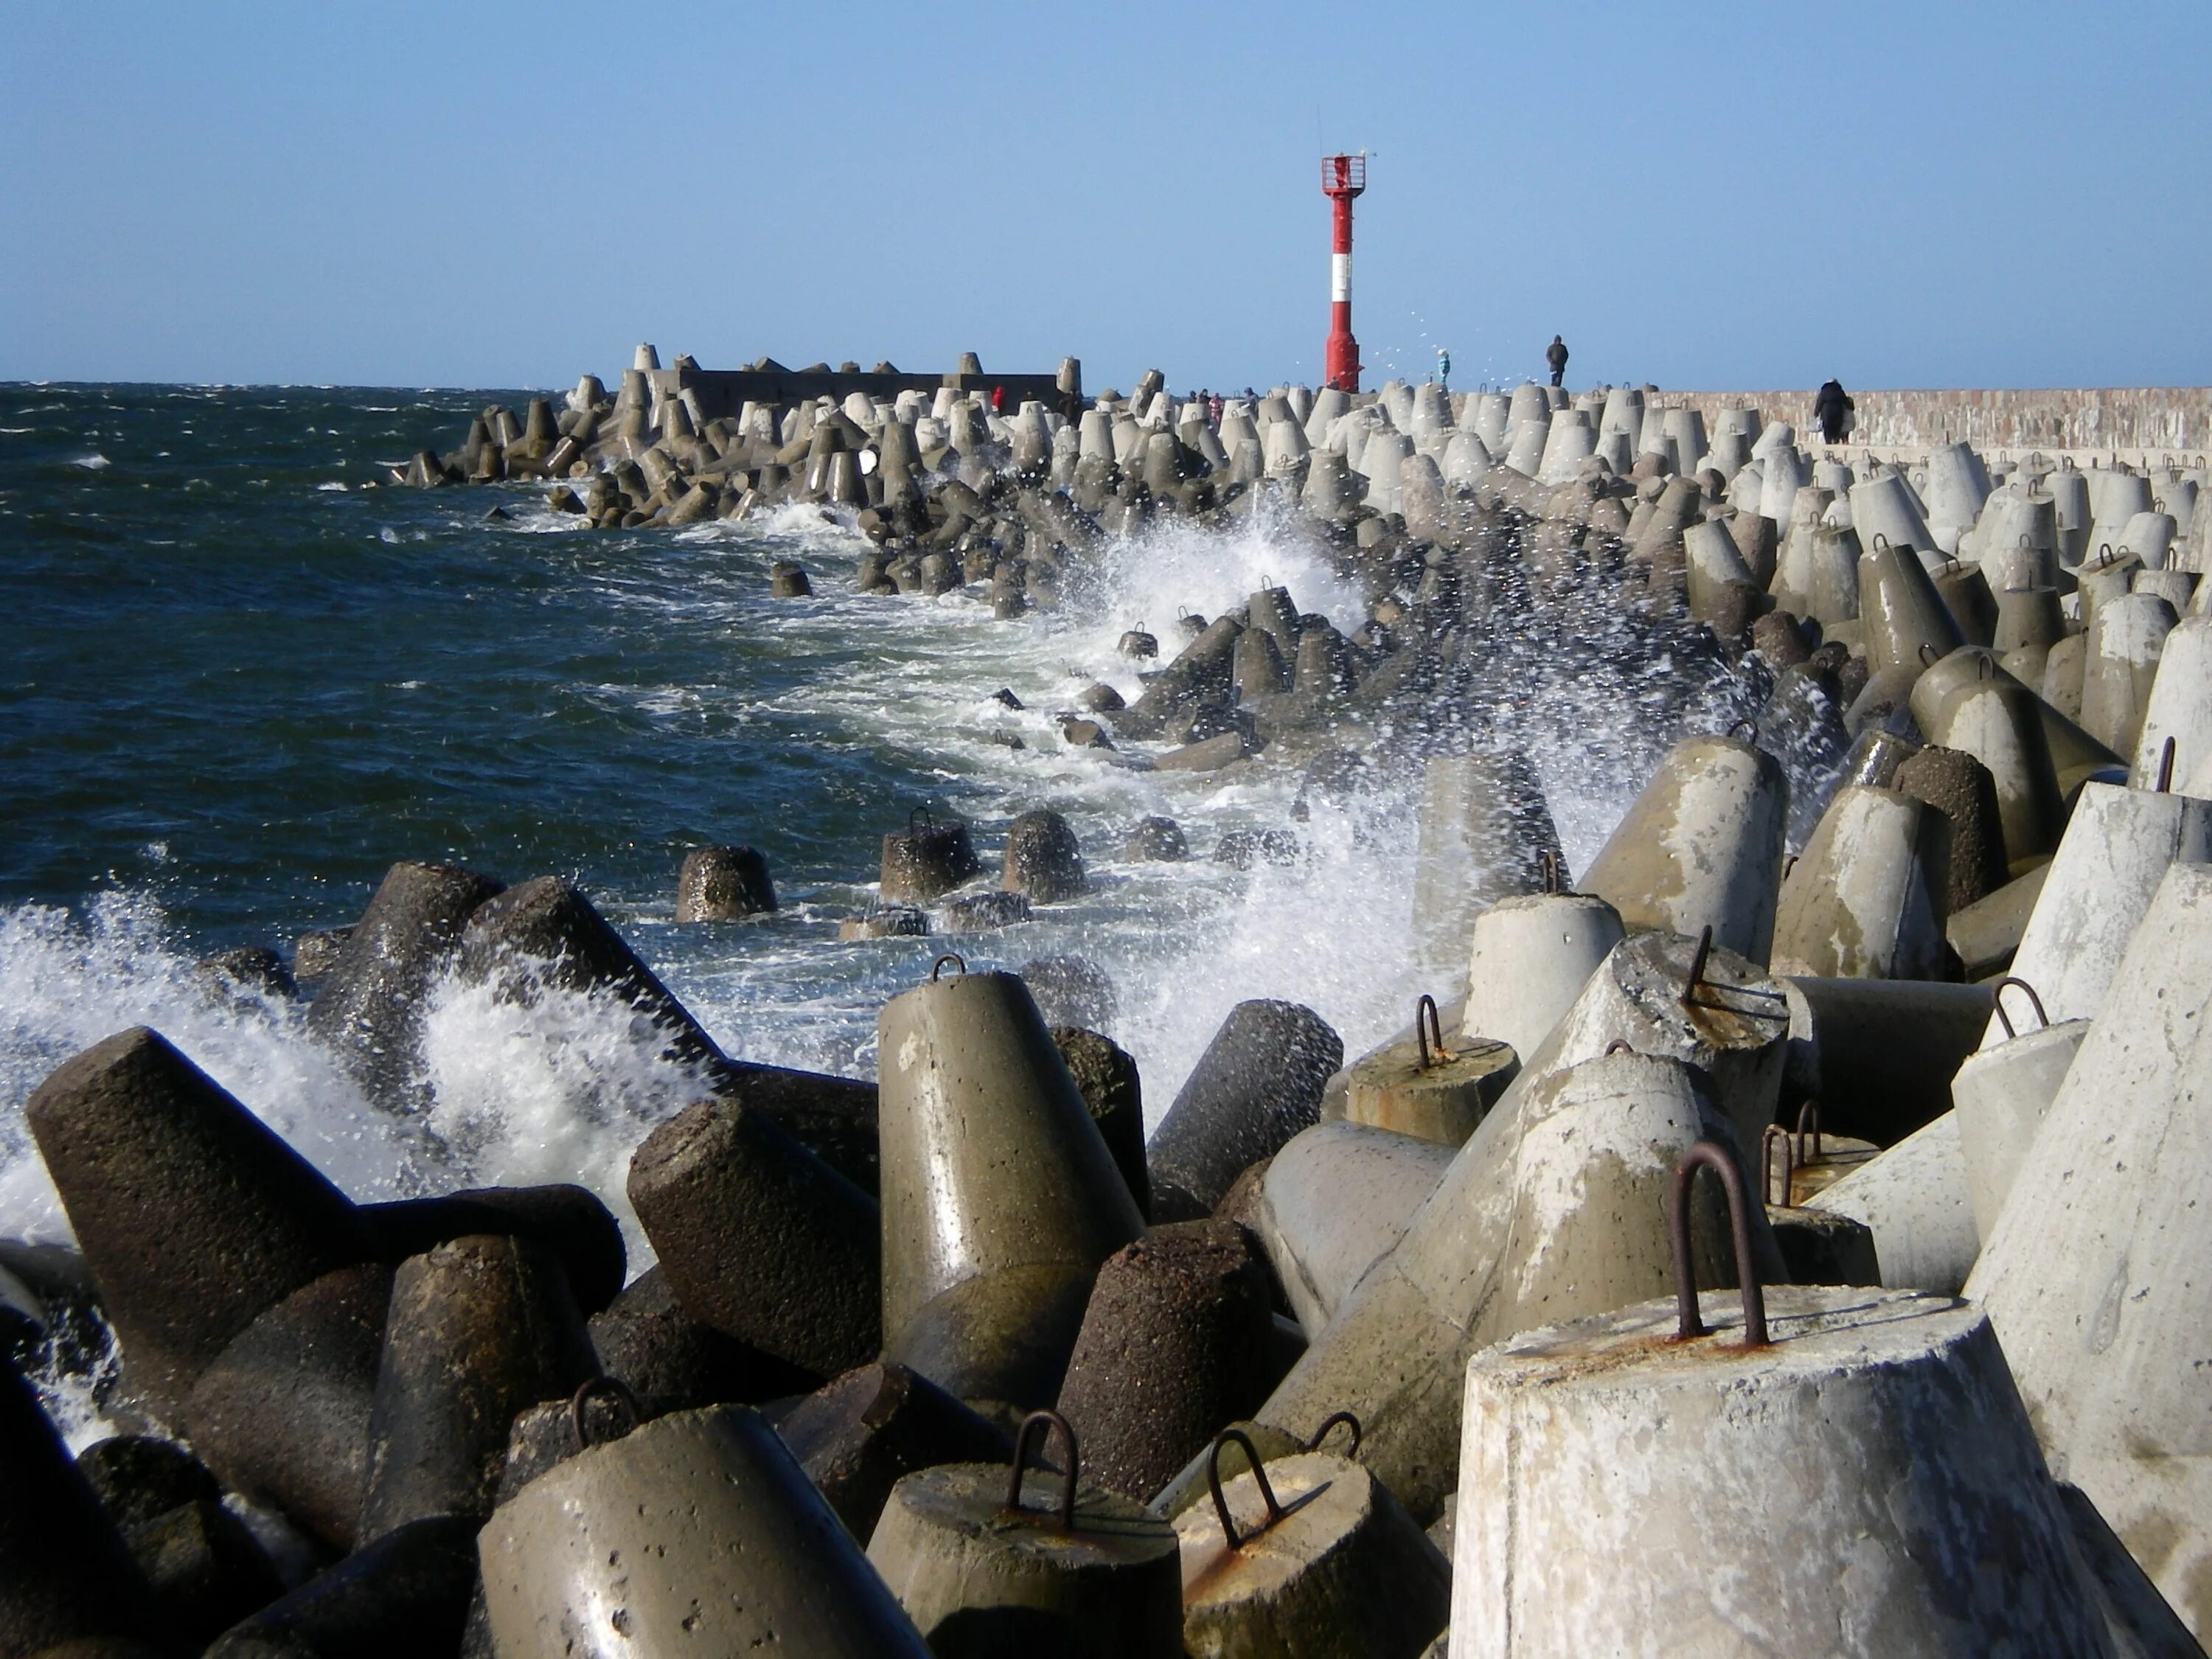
(501, 194)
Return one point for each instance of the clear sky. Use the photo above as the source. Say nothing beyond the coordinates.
(495, 194)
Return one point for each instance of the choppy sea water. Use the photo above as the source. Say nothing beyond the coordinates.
(237, 682)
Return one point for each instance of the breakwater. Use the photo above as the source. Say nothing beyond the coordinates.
(1693, 774)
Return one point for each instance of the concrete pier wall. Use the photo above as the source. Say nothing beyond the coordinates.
(2130, 420)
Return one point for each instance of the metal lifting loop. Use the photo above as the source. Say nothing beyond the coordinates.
(1772, 1133)
(1046, 1421)
(1809, 1123)
(1715, 1157)
(2104, 553)
(1928, 653)
(1276, 1511)
(1553, 876)
(928, 820)
(1750, 727)
(601, 1388)
(1698, 964)
(1618, 1046)
(1330, 1422)
(1881, 542)
(952, 957)
(1429, 1032)
(1997, 999)
(2166, 766)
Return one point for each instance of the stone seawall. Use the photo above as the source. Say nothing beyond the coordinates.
(2173, 419)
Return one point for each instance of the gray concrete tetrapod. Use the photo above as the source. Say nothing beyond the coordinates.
(1485, 834)
(1999, 722)
(1908, 1453)
(984, 1570)
(2090, 1274)
(1907, 623)
(1417, 1084)
(2120, 664)
(1259, 1082)
(1868, 897)
(193, 1214)
(1557, 1207)
(926, 859)
(759, 1238)
(1323, 1560)
(1333, 1202)
(695, 1532)
(2179, 707)
(2000, 1096)
(1174, 1343)
(1877, 1053)
(723, 884)
(65, 1575)
(282, 1414)
(1043, 859)
(1000, 1197)
(859, 1435)
(478, 1329)
(1532, 955)
(371, 1006)
(2118, 846)
(406, 1592)
(1701, 846)
(1913, 1198)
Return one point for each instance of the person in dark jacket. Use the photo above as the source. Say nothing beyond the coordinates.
(1831, 412)
(1556, 357)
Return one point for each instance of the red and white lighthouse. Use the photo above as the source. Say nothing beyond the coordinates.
(1342, 178)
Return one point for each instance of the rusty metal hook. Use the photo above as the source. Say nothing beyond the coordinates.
(1985, 669)
(1618, 1046)
(1996, 999)
(1047, 1421)
(1277, 1511)
(1809, 1113)
(1748, 725)
(1550, 872)
(1698, 964)
(2166, 766)
(1929, 655)
(1428, 1022)
(1773, 1133)
(1881, 542)
(1713, 1156)
(2104, 553)
(1330, 1422)
(953, 956)
(609, 1387)
(928, 818)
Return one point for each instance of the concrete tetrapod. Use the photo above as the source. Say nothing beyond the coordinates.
(1174, 1344)
(2117, 847)
(983, 1573)
(1531, 957)
(2179, 707)
(1485, 834)
(1878, 1054)
(999, 1198)
(371, 1006)
(1907, 1454)
(1335, 1200)
(723, 884)
(1556, 1207)
(1259, 1082)
(1307, 1557)
(2001, 1095)
(926, 860)
(2120, 664)
(477, 1330)
(1913, 1198)
(65, 1573)
(146, 1149)
(760, 1239)
(1907, 623)
(1701, 846)
(2091, 1275)
(1423, 1086)
(1999, 722)
(1868, 897)
(697, 1532)
(857, 1436)
(407, 1592)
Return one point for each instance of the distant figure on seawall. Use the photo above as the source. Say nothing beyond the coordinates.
(1831, 410)
(1556, 355)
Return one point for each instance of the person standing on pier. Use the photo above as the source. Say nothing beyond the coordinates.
(1832, 412)
(1556, 357)
(1443, 368)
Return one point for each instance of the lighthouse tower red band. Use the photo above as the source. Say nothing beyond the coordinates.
(1342, 178)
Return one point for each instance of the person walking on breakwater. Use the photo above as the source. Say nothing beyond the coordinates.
(1832, 412)
(1443, 368)
(1556, 357)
